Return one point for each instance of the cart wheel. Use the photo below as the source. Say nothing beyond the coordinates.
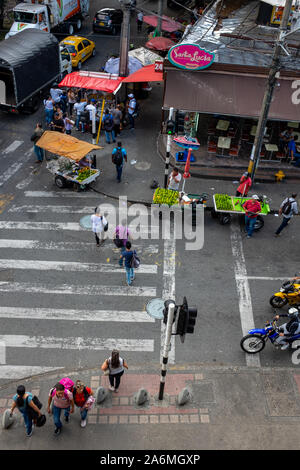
(259, 223)
(225, 219)
(60, 182)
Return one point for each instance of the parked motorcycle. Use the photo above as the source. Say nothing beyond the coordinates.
(289, 293)
(256, 339)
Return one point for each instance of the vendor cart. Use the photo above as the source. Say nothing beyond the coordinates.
(70, 163)
(225, 216)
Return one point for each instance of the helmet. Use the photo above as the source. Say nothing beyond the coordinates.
(293, 311)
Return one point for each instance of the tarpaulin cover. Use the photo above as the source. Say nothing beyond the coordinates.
(92, 81)
(112, 65)
(160, 43)
(146, 74)
(145, 56)
(32, 56)
(167, 23)
(65, 145)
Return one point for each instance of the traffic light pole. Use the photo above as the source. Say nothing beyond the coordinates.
(274, 69)
(171, 310)
(169, 140)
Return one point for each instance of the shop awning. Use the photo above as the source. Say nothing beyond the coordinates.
(160, 43)
(229, 94)
(145, 74)
(65, 145)
(107, 82)
(167, 23)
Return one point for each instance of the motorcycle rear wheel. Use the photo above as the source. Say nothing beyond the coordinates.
(278, 302)
(252, 344)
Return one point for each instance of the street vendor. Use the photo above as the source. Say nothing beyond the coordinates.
(252, 208)
(84, 162)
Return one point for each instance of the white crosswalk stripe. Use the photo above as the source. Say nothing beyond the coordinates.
(52, 270)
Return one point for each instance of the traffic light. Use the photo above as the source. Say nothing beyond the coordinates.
(186, 319)
(170, 127)
(166, 309)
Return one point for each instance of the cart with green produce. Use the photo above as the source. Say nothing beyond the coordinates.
(71, 162)
(225, 206)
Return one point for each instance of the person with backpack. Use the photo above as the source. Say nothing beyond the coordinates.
(83, 398)
(131, 262)
(108, 126)
(122, 235)
(287, 209)
(115, 365)
(62, 400)
(25, 403)
(119, 155)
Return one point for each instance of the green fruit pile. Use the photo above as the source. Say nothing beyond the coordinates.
(166, 196)
(223, 202)
(85, 173)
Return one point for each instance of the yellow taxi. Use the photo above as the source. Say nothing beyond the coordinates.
(80, 49)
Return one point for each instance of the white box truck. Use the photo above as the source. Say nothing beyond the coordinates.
(49, 15)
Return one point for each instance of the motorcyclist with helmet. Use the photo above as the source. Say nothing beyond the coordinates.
(289, 329)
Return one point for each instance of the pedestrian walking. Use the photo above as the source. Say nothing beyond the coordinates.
(38, 132)
(83, 398)
(287, 209)
(252, 208)
(119, 156)
(49, 109)
(174, 180)
(62, 400)
(79, 109)
(245, 185)
(139, 20)
(122, 235)
(99, 227)
(129, 256)
(108, 126)
(115, 365)
(131, 109)
(23, 401)
(117, 118)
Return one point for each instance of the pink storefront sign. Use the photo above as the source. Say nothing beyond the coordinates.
(190, 57)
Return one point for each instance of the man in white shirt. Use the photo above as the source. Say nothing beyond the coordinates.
(131, 109)
(98, 224)
(56, 94)
(174, 180)
(79, 108)
(91, 108)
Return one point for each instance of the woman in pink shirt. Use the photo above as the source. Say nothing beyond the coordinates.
(62, 400)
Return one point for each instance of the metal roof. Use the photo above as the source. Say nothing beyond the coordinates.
(238, 40)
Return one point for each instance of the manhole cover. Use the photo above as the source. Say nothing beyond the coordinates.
(85, 222)
(155, 308)
(143, 166)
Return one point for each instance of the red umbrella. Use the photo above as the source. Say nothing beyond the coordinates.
(167, 23)
(160, 43)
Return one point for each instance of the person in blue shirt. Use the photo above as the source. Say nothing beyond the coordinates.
(22, 401)
(119, 155)
(108, 126)
(127, 256)
(295, 157)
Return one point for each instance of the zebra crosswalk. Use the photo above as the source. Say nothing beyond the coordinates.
(63, 300)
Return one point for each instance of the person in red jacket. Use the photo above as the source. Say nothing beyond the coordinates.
(252, 208)
(245, 185)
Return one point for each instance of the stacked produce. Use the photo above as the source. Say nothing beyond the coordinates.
(166, 196)
(223, 202)
(85, 173)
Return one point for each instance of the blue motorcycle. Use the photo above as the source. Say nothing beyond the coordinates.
(255, 341)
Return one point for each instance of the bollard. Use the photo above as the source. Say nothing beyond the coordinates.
(141, 397)
(183, 397)
(7, 419)
(101, 394)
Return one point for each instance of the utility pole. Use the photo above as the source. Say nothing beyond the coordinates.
(171, 311)
(273, 75)
(159, 18)
(124, 40)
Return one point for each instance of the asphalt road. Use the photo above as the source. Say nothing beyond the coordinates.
(54, 314)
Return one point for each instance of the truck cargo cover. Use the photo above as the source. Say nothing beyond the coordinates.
(33, 56)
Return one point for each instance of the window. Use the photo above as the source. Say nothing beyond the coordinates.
(86, 43)
(80, 47)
